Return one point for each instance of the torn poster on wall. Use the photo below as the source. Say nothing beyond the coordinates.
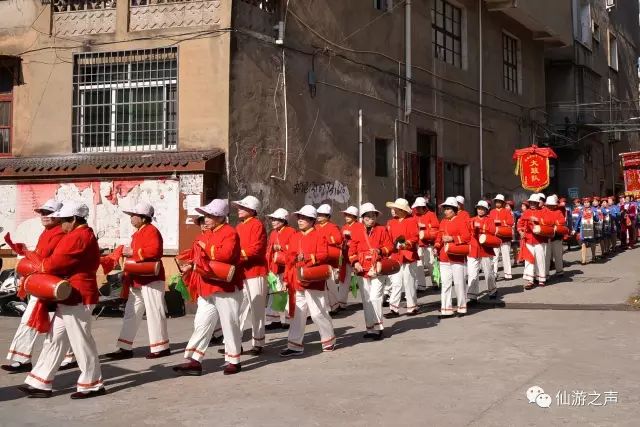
(105, 199)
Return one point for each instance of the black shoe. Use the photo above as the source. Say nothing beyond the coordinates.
(391, 315)
(68, 366)
(159, 354)
(192, 368)
(412, 313)
(287, 352)
(335, 311)
(385, 301)
(216, 340)
(120, 354)
(472, 302)
(445, 316)
(461, 314)
(88, 394)
(493, 295)
(232, 368)
(285, 326)
(255, 351)
(273, 326)
(374, 336)
(35, 393)
(17, 367)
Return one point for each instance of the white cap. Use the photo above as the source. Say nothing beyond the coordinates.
(217, 207)
(451, 202)
(552, 200)
(482, 204)
(308, 211)
(249, 202)
(499, 197)
(49, 206)
(401, 204)
(71, 208)
(541, 196)
(420, 202)
(351, 210)
(534, 198)
(324, 209)
(142, 209)
(460, 200)
(280, 213)
(368, 207)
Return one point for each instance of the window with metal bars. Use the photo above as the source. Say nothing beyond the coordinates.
(446, 32)
(125, 100)
(6, 102)
(510, 63)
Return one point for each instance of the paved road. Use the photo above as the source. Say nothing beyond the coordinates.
(469, 371)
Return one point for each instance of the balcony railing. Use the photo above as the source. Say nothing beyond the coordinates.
(60, 6)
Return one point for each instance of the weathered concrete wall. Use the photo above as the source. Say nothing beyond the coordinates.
(323, 133)
(43, 104)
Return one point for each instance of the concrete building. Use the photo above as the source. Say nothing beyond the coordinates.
(592, 97)
(176, 102)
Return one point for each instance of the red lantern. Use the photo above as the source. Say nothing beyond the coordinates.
(532, 164)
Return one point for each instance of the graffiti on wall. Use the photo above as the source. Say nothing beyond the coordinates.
(315, 192)
(105, 199)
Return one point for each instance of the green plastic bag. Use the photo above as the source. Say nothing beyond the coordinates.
(435, 273)
(272, 280)
(177, 283)
(279, 301)
(354, 286)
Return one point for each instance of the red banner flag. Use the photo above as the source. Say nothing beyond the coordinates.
(532, 164)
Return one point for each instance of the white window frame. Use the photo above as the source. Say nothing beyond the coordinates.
(583, 23)
(612, 41)
(518, 64)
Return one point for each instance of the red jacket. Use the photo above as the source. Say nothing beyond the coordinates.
(427, 221)
(253, 248)
(464, 214)
(458, 228)
(368, 246)
(347, 233)
(146, 245)
(406, 228)
(76, 258)
(556, 217)
(48, 241)
(502, 217)
(530, 218)
(220, 244)
(478, 226)
(312, 245)
(333, 235)
(281, 238)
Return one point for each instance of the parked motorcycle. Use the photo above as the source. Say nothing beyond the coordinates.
(10, 304)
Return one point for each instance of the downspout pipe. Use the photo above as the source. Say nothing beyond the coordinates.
(408, 63)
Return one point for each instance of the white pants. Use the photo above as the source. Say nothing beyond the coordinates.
(276, 316)
(314, 303)
(371, 290)
(344, 287)
(554, 251)
(474, 265)
(150, 299)
(504, 252)
(26, 337)
(538, 269)
(425, 266)
(222, 306)
(386, 285)
(254, 303)
(332, 292)
(71, 327)
(406, 279)
(452, 275)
